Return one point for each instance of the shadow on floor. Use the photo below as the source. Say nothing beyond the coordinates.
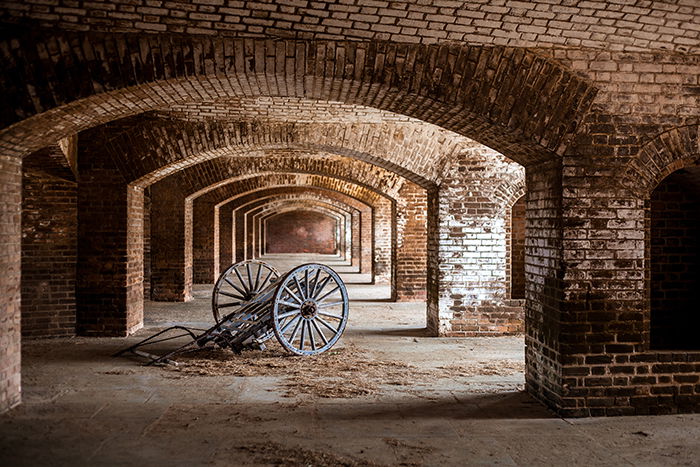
(459, 406)
(399, 332)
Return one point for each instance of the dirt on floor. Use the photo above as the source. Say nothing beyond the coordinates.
(345, 372)
(271, 453)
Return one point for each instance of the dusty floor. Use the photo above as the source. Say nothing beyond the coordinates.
(386, 395)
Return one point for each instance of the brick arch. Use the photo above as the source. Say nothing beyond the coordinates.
(270, 211)
(520, 103)
(660, 157)
(172, 276)
(382, 202)
(222, 252)
(270, 180)
(362, 248)
(210, 175)
(148, 149)
(299, 199)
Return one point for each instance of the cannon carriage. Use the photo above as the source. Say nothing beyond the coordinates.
(306, 309)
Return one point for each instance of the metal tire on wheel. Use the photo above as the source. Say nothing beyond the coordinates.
(239, 284)
(310, 309)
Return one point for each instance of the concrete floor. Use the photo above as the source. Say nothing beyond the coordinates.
(83, 407)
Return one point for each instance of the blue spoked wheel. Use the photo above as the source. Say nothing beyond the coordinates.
(310, 309)
(239, 284)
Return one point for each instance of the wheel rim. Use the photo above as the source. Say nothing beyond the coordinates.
(310, 309)
(239, 284)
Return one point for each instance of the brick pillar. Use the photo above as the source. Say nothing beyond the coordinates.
(412, 237)
(203, 235)
(249, 227)
(171, 250)
(471, 247)
(544, 289)
(110, 250)
(598, 352)
(226, 258)
(366, 241)
(383, 244)
(147, 245)
(355, 240)
(516, 250)
(10, 264)
(49, 254)
(432, 279)
(239, 232)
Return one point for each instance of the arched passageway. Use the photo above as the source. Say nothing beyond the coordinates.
(674, 261)
(561, 112)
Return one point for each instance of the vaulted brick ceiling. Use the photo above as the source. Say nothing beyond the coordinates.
(664, 25)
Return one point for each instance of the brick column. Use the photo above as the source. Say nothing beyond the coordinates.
(411, 243)
(49, 254)
(366, 241)
(10, 264)
(225, 215)
(544, 288)
(603, 356)
(171, 242)
(473, 206)
(355, 240)
(110, 250)
(239, 244)
(383, 242)
(203, 236)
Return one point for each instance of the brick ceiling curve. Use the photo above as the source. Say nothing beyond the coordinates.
(147, 149)
(283, 200)
(235, 186)
(199, 178)
(300, 192)
(639, 25)
(521, 103)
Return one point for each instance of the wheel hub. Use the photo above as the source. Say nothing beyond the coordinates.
(309, 309)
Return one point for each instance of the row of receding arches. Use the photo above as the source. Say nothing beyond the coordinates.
(469, 190)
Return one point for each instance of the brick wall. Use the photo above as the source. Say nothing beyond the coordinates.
(49, 254)
(384, 240)
(516, 250)
(256, 220)
(544, 287)
(605, 102)
(10, 262)
(147, 245)
(474, 203)
(204, 235)
(411, 244)
(345, 193)
(109, 288)
(358, 211)
(675, 262)
(301, 231)
(171, 266)
(603, 331)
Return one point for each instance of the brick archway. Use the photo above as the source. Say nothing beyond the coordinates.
(382, 202)
(148, 149)
(176, 268)
(227, 208)
(663, 155)
(266, 213)
(354, 209)
(101, 78)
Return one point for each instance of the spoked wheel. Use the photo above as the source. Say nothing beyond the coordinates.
(310, 309)
(239, 284)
